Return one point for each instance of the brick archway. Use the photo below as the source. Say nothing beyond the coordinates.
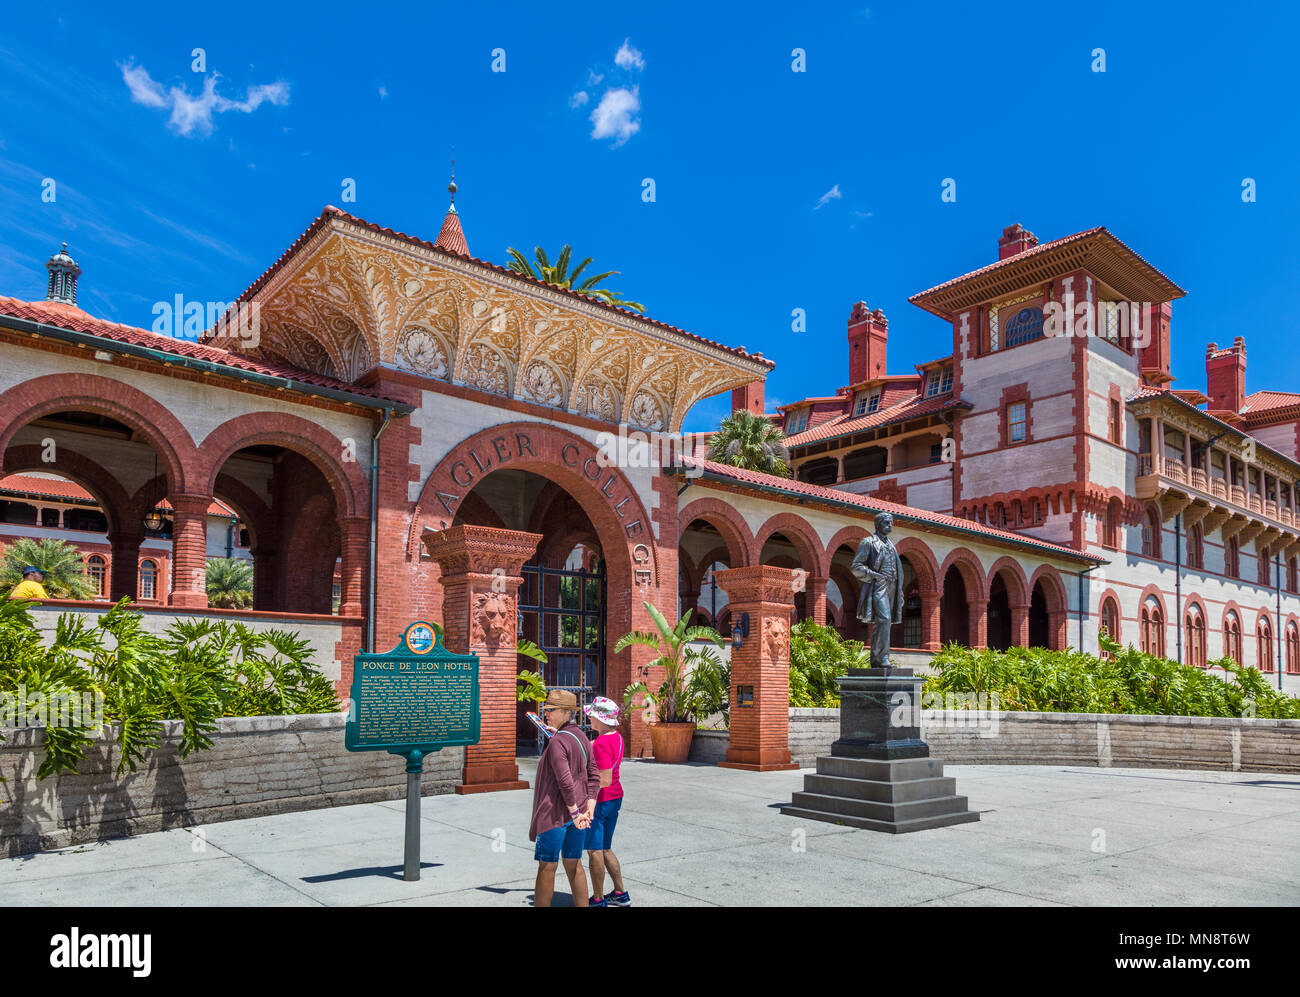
(1047, 580)
(848, 535)
(639, 567)
(93, 477)
(798, 532)
(346, 479)
(160, 429)
(726, 520)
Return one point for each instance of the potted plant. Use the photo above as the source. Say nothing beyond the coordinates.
(673, 727)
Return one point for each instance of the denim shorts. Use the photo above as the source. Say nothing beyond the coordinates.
(567, 840)
(600, 836)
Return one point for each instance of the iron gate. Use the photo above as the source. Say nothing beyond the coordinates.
(563, 612)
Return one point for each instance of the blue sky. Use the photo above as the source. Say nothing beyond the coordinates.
(162, 190)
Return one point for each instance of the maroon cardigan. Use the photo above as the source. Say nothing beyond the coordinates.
(565, 778)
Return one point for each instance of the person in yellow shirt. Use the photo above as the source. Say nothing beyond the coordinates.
(30, 587)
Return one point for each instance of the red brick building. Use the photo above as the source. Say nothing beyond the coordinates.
(470, 445)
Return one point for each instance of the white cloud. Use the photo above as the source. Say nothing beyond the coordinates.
(190, 114)
(615, 115)
(383, 93)
(627, 57)
(579, 99)
(831, 195)
(594, 78)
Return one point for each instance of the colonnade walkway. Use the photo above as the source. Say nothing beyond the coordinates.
(696, 835)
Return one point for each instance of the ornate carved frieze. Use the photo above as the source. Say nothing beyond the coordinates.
(351, 298)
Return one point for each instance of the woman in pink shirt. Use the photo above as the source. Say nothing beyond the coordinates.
(607, 751)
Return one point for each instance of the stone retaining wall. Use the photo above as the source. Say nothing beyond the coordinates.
(1106, 740)
(255, 767)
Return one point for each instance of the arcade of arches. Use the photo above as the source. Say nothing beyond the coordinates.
(302, 508)
(957, 601)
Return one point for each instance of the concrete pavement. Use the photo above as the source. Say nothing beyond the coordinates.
(698, 835)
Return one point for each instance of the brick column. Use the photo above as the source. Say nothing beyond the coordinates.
(979, 622)
(355, 546)
(480, 576)
(1020, 625)
(1056, 628)
(760, 733)
(930, 620)
(124, 574)
(265, 595)
(815, 600)
(189, 550)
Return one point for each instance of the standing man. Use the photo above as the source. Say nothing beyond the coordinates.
(30, 587)
(878, 567)
(564, 800)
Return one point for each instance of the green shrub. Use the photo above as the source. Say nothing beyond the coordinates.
(1127, 681)
(819, 655)
(197, 672)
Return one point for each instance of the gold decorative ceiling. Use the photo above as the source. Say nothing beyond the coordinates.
(350, 298)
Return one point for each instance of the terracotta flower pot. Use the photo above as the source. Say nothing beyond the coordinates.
(671, 742)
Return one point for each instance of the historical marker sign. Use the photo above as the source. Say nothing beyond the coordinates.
(419, 697)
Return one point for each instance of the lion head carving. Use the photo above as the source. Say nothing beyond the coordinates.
(493, 619)
(776, 638)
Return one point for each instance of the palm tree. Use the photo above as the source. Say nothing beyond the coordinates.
(671, 645)
(751, 442)
(230, 583)
(60, 561)
(558, 274)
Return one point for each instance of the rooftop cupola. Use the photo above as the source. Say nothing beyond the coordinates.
(452, 236)
(63, 277)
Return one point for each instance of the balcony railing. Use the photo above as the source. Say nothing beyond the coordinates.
(1212, 484)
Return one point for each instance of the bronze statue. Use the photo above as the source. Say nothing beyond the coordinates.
(878, 566)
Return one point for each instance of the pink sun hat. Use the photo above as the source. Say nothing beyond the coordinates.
(602, 709)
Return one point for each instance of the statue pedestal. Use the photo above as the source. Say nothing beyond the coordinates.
(879, 774)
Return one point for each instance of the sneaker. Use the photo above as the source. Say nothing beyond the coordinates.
(618, 900)
(599, 901)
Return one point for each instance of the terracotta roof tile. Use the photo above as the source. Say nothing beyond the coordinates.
(64, 489)
(1258, 402)
(846, 425)
(904, 512)
(331, 212)
(452, 236)
(73, 318)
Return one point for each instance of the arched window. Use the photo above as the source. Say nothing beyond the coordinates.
(1195, 628)
(1232, 558)
(1153, 628)
(1264, 645)
(1292, 579)
(148, 579)
(1151, 535)
(1265, 563)
(1232, 636)
(1017, 515)
(1110, 621)
(95, 568)
(1035, 511)
(1292, 648)
(1196, 548)
(1111, 525)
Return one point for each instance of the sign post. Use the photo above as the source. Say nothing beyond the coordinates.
(416, 699)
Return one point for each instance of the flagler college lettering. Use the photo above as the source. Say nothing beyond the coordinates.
(478, 459)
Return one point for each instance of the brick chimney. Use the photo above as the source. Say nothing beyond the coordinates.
(1225, 376)
(1015, 240)
(1154, 358)
(749, 397)
(868, 337)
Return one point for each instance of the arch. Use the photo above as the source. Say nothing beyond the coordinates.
(729, 523)
(1109, 613)
(1292, 645)
(41, 396)
(1049, 578)
(1153, 619)
(921, 558)
(148, 569)
(610, 503)
(1013, 576)
(105, 489)
(850, 535)
(970, 569)
(798, 532)
(1232, 640)
(1151, 530)
(348, 482)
